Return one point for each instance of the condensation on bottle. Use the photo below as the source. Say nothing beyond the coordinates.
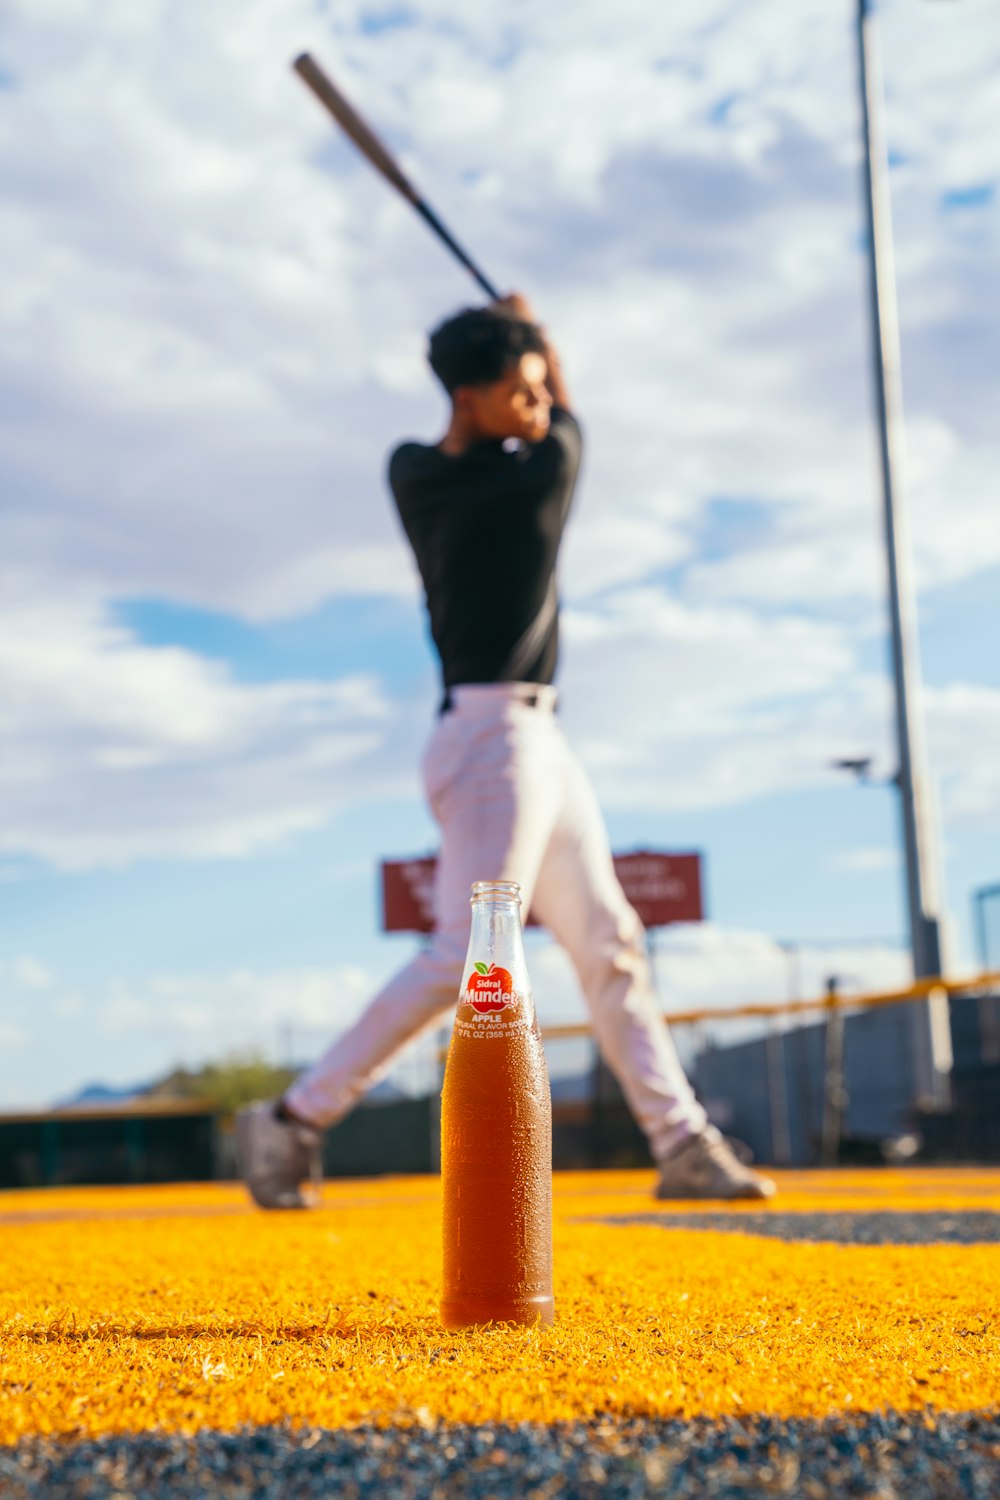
(496, 1131)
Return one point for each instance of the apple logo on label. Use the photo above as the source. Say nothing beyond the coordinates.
(489, 989)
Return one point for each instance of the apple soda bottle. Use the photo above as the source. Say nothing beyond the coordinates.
(496, 1131)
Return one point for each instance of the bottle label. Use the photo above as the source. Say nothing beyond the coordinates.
(489, 990)
(489, 1007)
(489, 1028)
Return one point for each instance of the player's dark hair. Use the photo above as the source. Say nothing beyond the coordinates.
(478, 345)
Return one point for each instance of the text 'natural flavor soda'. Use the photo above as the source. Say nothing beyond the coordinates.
(496, 1131)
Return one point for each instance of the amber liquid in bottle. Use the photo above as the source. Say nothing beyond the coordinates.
(496, 1132)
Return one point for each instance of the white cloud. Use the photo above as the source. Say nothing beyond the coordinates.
(114, 751)
(706, 967)
(711, 967)
(866, 860)
(29, 974)
(223, 338)
(964, 730)
(211, 329)
(13, 1037)
(128, 1033)
(237, 1009)
(677, 707)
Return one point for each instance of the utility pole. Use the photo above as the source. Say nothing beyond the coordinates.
(930, 1034)
(835, 1099)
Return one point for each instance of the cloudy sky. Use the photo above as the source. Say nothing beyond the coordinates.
(214, 672)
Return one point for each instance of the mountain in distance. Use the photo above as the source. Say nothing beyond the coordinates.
(92, 1095)
(566, 1088)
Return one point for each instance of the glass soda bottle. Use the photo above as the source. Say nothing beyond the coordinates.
(496, 1131)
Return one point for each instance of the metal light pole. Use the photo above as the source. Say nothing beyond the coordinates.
(931, 1041)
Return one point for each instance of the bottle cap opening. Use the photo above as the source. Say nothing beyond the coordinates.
(496, 890)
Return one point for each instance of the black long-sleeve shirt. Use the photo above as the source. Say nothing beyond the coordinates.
(485, 527)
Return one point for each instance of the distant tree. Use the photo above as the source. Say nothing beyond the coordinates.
(228, 1084)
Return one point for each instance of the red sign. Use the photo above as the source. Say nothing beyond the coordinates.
(408, 895)
(663, 888)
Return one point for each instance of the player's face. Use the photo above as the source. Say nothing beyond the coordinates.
(515, 406)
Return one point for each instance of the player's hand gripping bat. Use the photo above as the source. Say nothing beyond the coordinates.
(370, 146)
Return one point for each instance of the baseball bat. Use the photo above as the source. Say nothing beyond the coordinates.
(381, 159)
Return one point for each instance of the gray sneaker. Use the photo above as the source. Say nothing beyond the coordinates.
(277, 1156)
(706, 1167)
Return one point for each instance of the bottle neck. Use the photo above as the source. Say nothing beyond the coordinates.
(496, 965)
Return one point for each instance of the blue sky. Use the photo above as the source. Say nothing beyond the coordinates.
(213, 661)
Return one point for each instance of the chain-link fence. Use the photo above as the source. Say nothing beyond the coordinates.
(986, 903)
(804, 1083)
(800, 1083)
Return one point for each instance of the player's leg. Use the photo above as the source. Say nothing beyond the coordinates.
(579, 898)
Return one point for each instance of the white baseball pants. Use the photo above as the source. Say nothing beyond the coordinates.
(513, 803)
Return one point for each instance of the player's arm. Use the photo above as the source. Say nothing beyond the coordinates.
(520, 307)
(556, 381)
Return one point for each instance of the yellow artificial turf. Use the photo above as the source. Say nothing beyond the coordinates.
(179, 1308)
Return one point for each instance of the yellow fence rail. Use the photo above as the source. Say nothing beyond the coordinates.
(823, 1005)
